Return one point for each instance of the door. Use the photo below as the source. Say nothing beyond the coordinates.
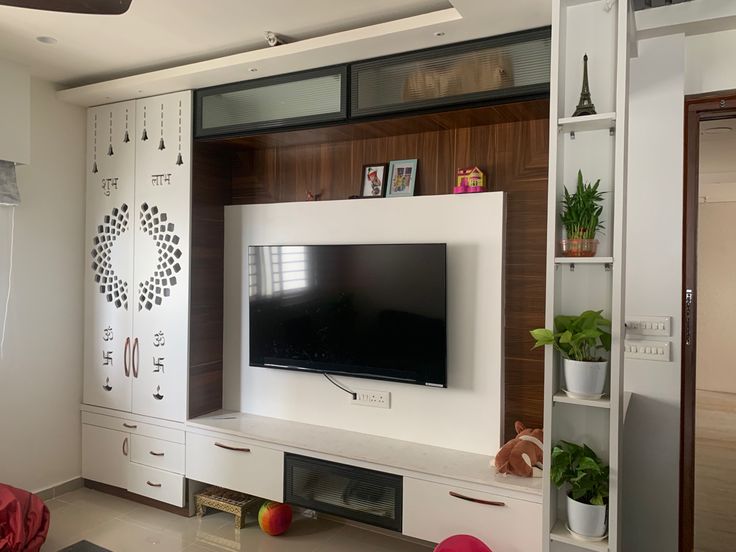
(105, 455)
(162, 226)
(109, 286)
(708, 386)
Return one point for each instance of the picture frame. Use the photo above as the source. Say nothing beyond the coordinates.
(373, 180)
(402, 177)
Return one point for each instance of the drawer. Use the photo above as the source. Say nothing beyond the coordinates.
(431, 513)
(156, 484)
(236, 465)
(156, 453)
(133, 427)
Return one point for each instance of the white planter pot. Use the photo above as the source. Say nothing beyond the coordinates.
(584, 380)
(586, 520)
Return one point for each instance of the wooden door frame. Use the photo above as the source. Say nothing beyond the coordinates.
(698, 108)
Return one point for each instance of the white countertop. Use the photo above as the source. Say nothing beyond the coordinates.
(382, 451)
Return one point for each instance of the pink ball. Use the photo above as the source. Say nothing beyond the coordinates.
(462, 543)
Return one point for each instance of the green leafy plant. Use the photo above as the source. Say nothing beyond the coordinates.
(577, 337)
(581, 211)
(583, 470)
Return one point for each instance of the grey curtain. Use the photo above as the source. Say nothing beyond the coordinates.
(9, 194)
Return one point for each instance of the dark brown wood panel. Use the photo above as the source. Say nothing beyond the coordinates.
(509, 143)
(211, 176)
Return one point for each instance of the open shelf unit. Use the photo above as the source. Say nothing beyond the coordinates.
(595, 145)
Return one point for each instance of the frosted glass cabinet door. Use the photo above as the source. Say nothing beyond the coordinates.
(109, 285)
(160, 300)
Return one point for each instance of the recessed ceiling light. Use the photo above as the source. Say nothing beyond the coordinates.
(718, 130)
(439, 33)
(46, 39)
(253, 69)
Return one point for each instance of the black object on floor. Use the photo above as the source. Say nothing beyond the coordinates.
(84, 546)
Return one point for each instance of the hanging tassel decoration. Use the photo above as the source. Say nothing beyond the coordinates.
(109, 150)
(161, 145)
(179, 160)
(126, 138)
(144, 137)
(94, 168)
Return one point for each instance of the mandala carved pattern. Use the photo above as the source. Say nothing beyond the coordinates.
(158, 286)
(110, 285)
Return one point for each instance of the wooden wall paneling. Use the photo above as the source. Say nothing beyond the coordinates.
(513, 152)
(211, 176)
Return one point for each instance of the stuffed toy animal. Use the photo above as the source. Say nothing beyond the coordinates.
(522, 455)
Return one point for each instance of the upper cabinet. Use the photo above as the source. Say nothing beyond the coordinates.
(514, 65)
(284, 101)
(138, 238)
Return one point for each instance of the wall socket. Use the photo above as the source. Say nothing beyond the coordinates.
(370, 397)
(659, 326)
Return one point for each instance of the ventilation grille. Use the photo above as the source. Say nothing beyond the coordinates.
(644, 4)
(354, 493)
(500, 67)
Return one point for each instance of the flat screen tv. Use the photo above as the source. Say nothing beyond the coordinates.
(371, 311)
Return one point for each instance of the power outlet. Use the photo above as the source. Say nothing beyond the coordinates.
(369, 397)
(648, 325)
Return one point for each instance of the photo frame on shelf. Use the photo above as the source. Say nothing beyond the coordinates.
(373, 180)
(402, 177)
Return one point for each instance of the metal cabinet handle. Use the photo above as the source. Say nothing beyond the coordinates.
(130, 426)
(236, 449)
(477, 500)
(153, 484)
(126, 357)
(689, 300)
(125, 447)
(136, 357)
(155, 453)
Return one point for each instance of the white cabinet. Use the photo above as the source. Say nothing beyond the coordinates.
(434, 511)
(162, 230)
(144, 458)
(105, 455)
(138, 239)
(109, 286)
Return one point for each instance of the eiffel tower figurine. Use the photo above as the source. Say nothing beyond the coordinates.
(585, 106)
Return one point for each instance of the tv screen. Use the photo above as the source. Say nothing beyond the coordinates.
(373, 311)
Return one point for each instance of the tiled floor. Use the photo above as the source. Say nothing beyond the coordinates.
(123, 526)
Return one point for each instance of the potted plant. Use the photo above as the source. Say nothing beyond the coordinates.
(580, 468)
(580, 340)
(581, 216)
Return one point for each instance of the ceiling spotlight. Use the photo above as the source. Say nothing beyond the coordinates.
(253, 69)
(272, 39)
(439, 34)
(46, 39)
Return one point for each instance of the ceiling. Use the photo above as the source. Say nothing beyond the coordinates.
(156, 34)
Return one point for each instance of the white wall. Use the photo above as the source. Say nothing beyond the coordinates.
(41, 372)
(466, 415)
(15, 113)
(709, 62)
(653, 286)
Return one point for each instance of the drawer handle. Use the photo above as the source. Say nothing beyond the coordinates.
(155, 453)
(477, 500)
(130, 426)
(236, 449)
(153, 484)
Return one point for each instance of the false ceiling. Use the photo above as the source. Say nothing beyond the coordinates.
(163, 33)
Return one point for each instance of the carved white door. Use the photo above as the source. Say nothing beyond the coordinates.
(160, 300)
(109, 285)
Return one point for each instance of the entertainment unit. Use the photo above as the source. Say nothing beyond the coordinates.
(422, 491)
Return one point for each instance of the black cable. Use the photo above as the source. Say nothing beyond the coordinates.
(333, 382)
